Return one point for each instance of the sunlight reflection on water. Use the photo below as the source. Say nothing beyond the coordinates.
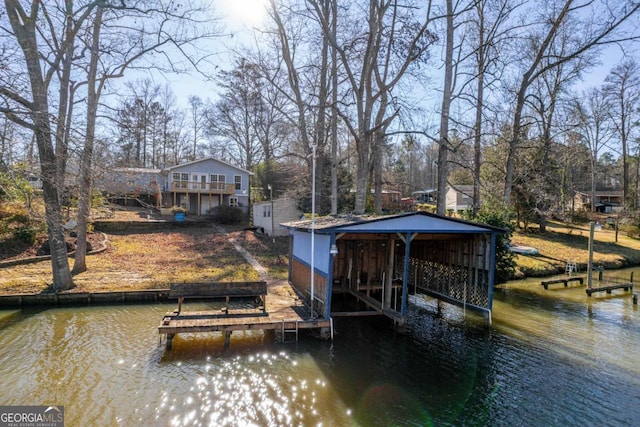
(255, 390)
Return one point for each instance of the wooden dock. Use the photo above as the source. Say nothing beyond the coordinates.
(283, 314)
(609, 288)
(566, 281)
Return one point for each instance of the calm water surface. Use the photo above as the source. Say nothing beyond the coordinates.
(552, 358)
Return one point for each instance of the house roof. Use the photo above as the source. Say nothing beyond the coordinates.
(421, 222)
(610, 193)
(137, 170)
(373, 190)
(205, 159)
(461, 188)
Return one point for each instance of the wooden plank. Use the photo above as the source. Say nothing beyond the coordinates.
(223, 325)
(355, 313)
(218, 289)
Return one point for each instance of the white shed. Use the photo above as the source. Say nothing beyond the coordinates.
(267, 216)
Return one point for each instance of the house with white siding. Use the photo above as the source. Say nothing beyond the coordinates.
(267, 216)
(459, 197)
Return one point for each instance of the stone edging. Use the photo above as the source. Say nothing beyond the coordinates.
(32, 260)
(85, 298)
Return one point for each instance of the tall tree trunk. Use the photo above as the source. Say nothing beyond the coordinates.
(65, 106)
(84, 208)
(24, 27)
(363, 164)
(477, 128)
(443, 149)
(334, 113)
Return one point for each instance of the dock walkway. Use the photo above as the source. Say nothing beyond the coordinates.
(284, 314)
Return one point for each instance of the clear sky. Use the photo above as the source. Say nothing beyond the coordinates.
(240, 16)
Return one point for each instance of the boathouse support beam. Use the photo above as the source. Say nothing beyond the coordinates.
(405, 275)
(327, 306)
(388, 280)
(492, 268)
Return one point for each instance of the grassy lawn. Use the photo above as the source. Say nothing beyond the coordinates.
(156, 259)
(562, 243)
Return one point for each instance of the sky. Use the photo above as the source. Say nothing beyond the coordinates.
(241, 16)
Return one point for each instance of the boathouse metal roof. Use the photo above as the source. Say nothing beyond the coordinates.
(413, 222)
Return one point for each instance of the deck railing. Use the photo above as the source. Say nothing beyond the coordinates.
(203, 187)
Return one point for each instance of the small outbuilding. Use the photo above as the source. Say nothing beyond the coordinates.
(380, 261)
(268, 215)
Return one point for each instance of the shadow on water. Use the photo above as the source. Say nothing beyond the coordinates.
(10, 317)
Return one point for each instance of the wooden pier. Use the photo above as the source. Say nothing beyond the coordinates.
(283, 315)
(566, 281)
(627, 286)
(609, 288)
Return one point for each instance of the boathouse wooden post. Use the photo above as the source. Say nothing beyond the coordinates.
(327, 305)
(492, 268)
(590, 262)
(388, 280)
(405, 276)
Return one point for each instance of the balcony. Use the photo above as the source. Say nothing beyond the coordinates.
(203, 187)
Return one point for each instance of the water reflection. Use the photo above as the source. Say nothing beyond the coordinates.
(552, 358)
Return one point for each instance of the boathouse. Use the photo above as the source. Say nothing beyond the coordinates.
(380, 261)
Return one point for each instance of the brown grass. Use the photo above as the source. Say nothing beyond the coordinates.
(147, 260)
(562, 243)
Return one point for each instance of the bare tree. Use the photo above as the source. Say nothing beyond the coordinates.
(197, 120)
(489, 34)
(622, 88)
(375, 50)
(602, 26)
(590, 111)
(93, 95)
(447, 89)
(35, 116)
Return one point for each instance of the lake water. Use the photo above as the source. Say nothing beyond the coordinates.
(552, 358)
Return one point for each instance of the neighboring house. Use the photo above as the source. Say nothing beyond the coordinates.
(267, 216)
(459, 198)
(201, 185)
(605, 201)
(139, 183)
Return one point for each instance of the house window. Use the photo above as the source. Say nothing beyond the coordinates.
(217, 181)
(267, 211)
(238, 181)
(180, 180)
(233, 201)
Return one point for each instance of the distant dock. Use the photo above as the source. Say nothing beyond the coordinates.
(566, 281)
